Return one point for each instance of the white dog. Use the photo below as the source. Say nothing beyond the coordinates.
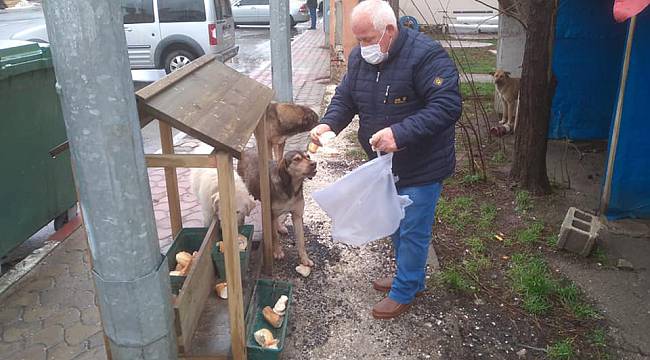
(205, 187)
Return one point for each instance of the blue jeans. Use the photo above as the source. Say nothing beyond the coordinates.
(411, 241)
(312, 15)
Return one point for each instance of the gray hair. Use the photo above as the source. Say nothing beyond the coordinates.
(378, 11)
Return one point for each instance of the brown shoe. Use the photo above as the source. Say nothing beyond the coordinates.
(384, 285)
(388, 309)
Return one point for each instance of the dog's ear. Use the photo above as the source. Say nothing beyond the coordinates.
(285, 177)
(507, 73)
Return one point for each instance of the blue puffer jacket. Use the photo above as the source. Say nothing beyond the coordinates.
(415, 91)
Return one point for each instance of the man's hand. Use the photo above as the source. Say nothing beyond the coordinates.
(383, 140)
(317, 132)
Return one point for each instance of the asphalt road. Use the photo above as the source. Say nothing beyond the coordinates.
(15, 20)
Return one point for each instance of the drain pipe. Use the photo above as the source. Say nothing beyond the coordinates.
(96, 91)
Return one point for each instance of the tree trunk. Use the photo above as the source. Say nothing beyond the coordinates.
(536, 94)
(395, 5)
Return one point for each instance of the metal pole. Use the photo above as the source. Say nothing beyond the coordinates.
(338, 31)
(93, 79)
(326, 21)
(281, 50)
(607, 188)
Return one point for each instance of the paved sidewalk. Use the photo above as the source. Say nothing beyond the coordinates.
(51, 314)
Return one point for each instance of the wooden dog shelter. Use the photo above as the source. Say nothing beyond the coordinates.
(222, 108)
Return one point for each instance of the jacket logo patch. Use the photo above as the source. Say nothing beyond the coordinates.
(437, 81)
(400, 100)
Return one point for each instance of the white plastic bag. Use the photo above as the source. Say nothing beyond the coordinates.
(364, 204)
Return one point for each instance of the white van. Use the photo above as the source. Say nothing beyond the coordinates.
(168, 34)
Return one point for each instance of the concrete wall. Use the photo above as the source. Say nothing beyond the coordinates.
(438, 10)
(510, 50)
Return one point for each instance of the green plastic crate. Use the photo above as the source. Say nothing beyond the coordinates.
(266, 293)
(218, 259)
(190, 240)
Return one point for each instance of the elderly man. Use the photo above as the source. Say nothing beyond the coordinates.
(404, 87)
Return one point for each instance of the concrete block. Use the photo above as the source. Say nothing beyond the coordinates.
(578, 232)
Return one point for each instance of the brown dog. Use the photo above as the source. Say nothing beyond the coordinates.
(508, 89)
(284, 120)
(286, 177)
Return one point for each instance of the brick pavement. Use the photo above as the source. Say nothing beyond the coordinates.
(51, 313)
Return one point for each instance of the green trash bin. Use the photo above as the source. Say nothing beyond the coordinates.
(36, 188)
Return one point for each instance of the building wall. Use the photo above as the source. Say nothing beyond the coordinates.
(436, 11)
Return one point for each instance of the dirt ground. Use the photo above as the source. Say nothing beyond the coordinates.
(476, 315)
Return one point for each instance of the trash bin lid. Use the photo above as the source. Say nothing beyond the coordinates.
(18, 57)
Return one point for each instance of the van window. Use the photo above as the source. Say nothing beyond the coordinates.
(181, 11)
(137, 11)
(223, 9)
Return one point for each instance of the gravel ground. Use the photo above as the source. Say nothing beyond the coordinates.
(331, 316)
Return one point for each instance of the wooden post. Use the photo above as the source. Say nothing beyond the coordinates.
(265, 195)
(171, 180)
(231, 254)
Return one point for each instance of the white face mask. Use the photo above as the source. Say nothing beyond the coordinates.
(372, 53)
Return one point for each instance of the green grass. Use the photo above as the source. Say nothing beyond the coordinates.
(472, 179)
(456, 280)
(499, 157)
(600, 255)
(523, 202)
(531, 279)
(572, 299)
(598, 339)
(561, 350)
(476, 60)
(457, 212)
(531, 234)
(487, 217)
(482, 90)
(476, 264)
(552, 240)
(476, 245)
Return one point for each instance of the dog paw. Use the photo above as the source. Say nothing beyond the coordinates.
(306, 261)
(278, 254)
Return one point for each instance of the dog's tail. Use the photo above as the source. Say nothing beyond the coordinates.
(248, 170)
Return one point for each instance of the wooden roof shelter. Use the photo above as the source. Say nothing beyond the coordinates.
(223, 108)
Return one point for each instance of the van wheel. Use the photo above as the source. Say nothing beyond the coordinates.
(176, 59)
(293, 22)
